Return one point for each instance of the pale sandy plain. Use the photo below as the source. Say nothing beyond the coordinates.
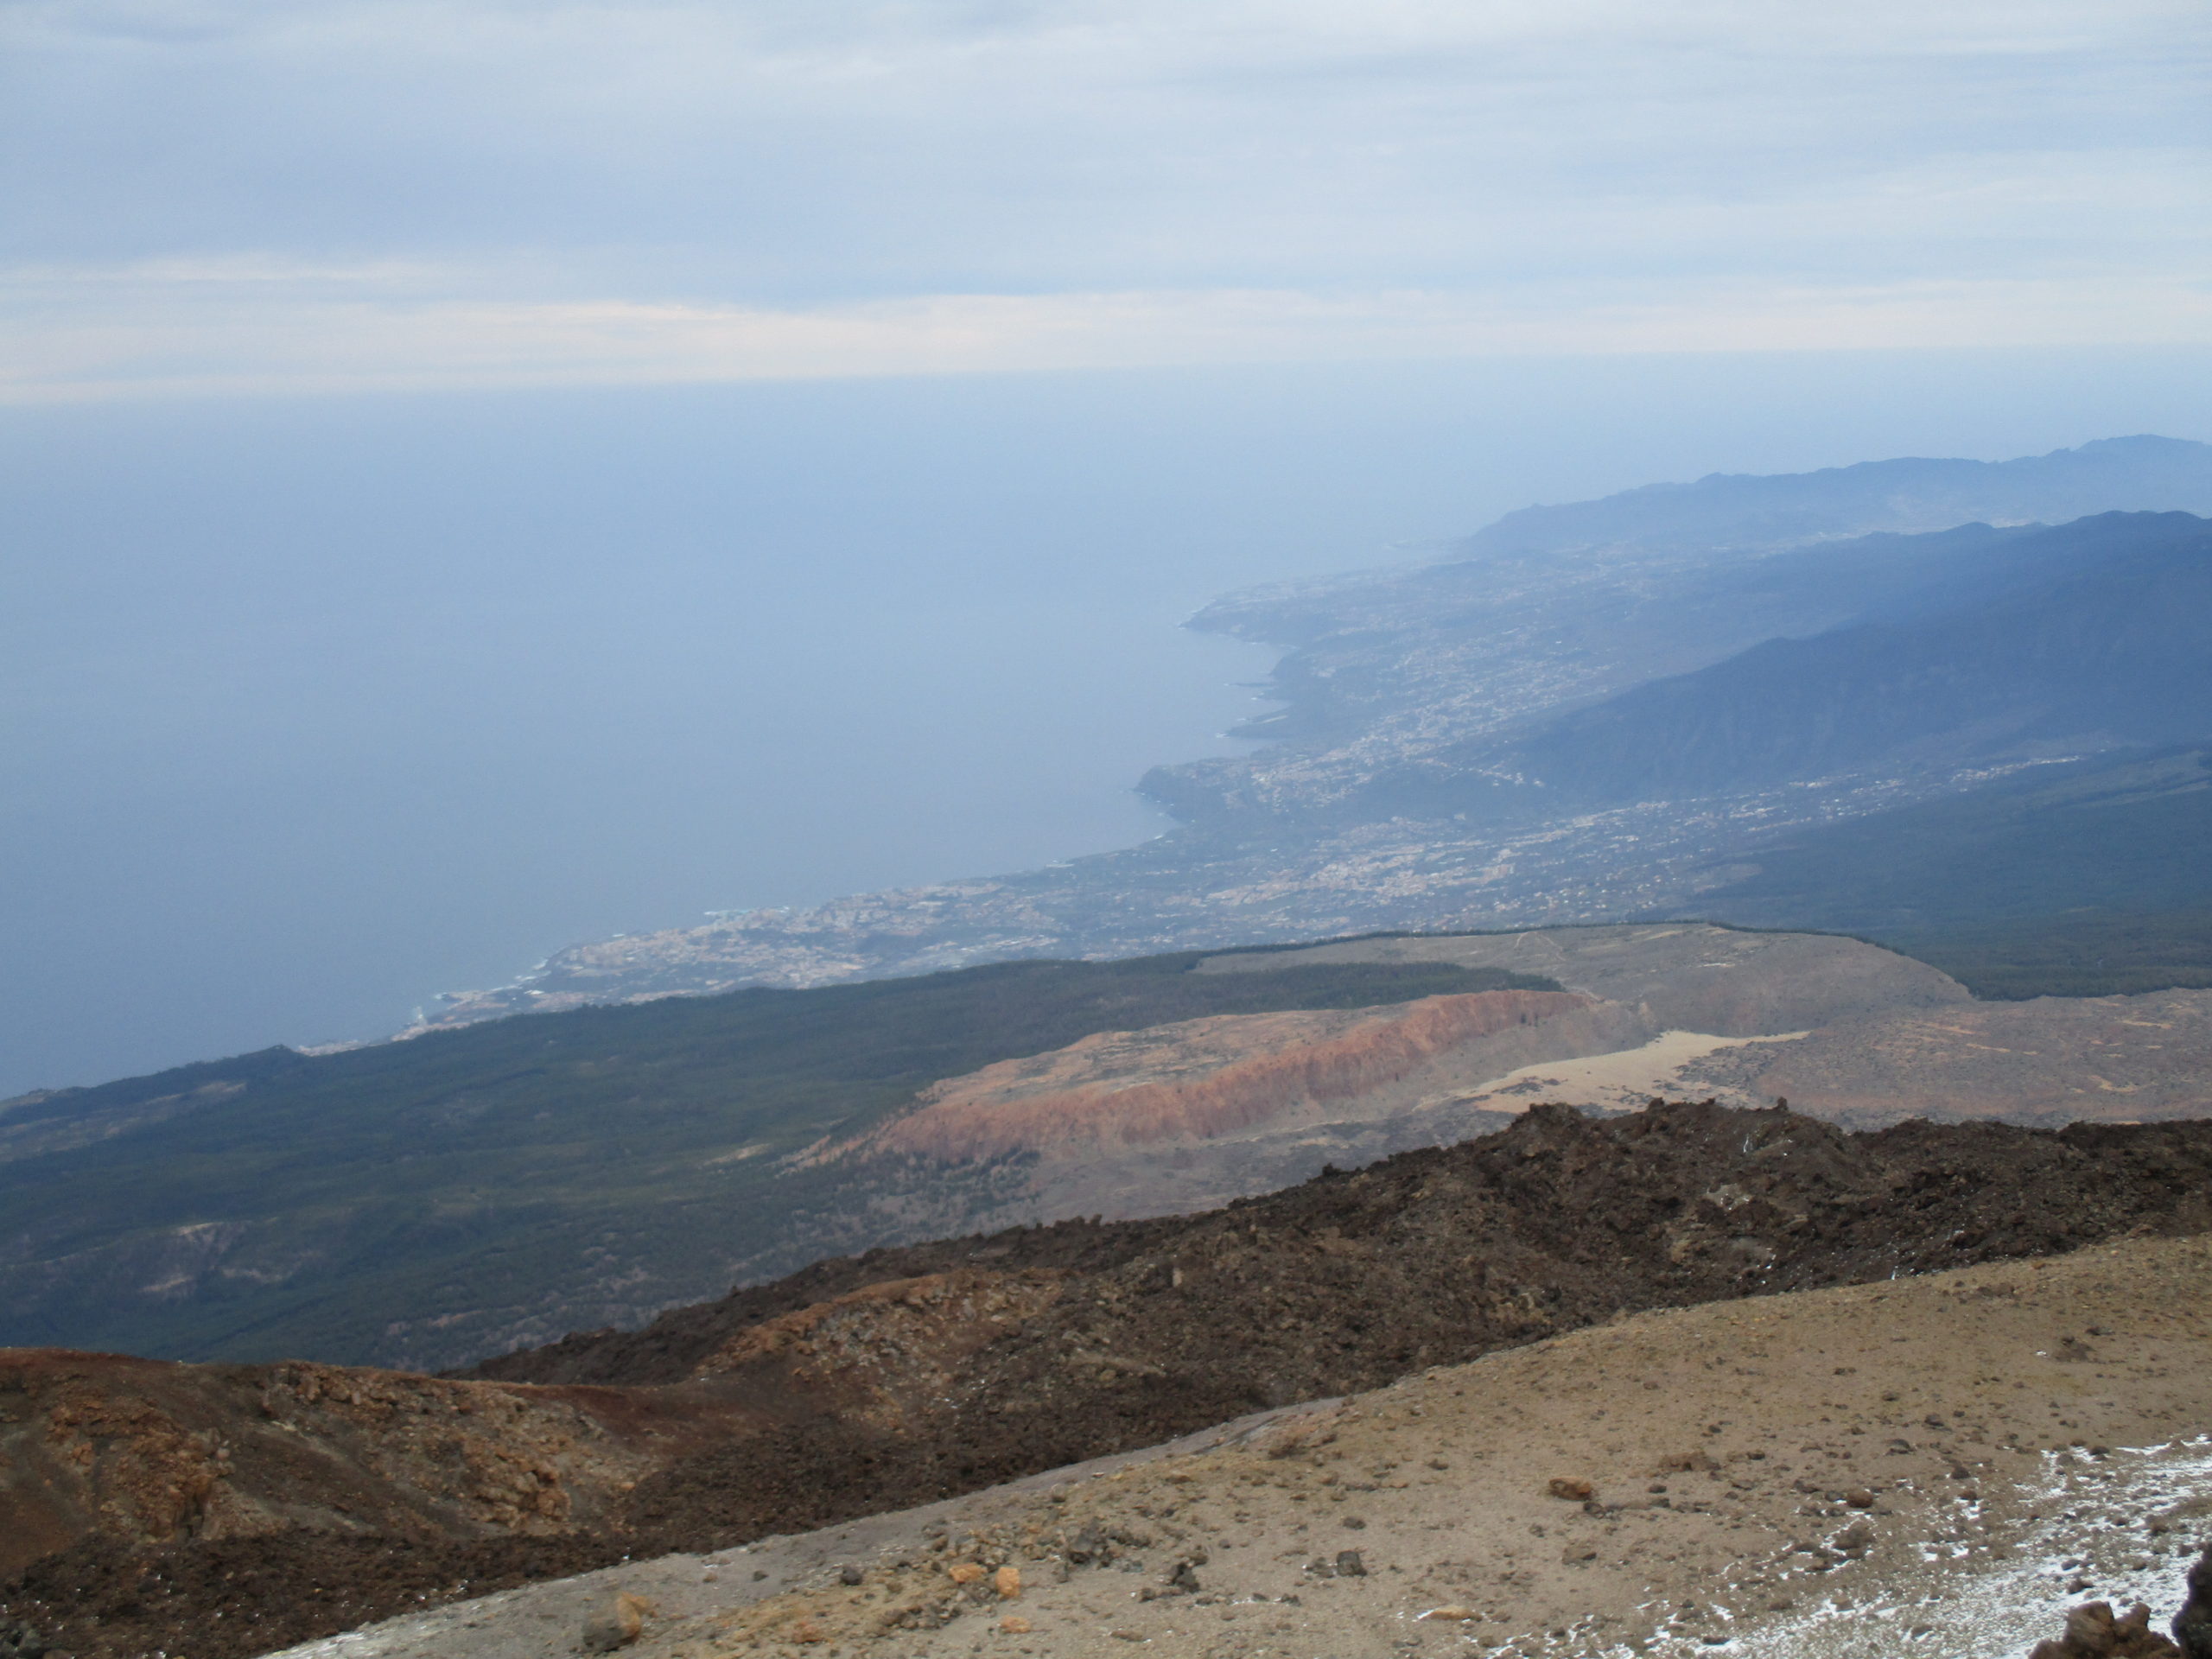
(1933, 1466)
(1623, 1081)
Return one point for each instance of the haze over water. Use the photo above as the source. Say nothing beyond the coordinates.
(318, 708)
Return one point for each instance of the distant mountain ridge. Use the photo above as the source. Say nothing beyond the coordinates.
(1907, 495)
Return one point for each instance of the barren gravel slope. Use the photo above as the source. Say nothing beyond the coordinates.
(1937, 1465)
(1682, 976)
(2052, 1059)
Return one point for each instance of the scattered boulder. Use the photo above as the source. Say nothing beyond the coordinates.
(1015, 1624)
(2093, 1632)
(1571, 1487)
(966, 1572)
(1351, 1563)
(1183, 1580)
(849, 1574)
(618, 1625)
(1007, 1582)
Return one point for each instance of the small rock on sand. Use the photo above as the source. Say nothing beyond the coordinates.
(617, 1626)
(1571, 1487)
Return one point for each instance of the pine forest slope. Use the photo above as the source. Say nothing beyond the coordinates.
(2122, 832)
(2098, 637)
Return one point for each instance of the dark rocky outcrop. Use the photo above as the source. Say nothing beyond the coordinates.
(2094, 1631)
(2193, 1625)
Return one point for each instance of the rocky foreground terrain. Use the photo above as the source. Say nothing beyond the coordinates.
(223, 1510)
(1958, 1464)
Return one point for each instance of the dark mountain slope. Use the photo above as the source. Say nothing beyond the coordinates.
(2100, 635)
(2122, 833)
(427, 1202)
(2077, 953)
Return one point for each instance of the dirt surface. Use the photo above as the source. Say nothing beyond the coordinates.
(1628, 1079)
(1946, 1466)
(910, 1375)
(1681, 975)
(2052, 1060)
(1848, 1031)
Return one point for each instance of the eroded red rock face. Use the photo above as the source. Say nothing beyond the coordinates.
(1205, 1078)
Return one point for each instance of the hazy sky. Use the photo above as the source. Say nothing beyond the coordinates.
(241, 194)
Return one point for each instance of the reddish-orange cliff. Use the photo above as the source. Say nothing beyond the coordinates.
(1205, 1078)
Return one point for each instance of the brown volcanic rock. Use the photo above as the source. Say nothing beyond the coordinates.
(909, 1375)
(877, 1356)
(1203, 1080)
